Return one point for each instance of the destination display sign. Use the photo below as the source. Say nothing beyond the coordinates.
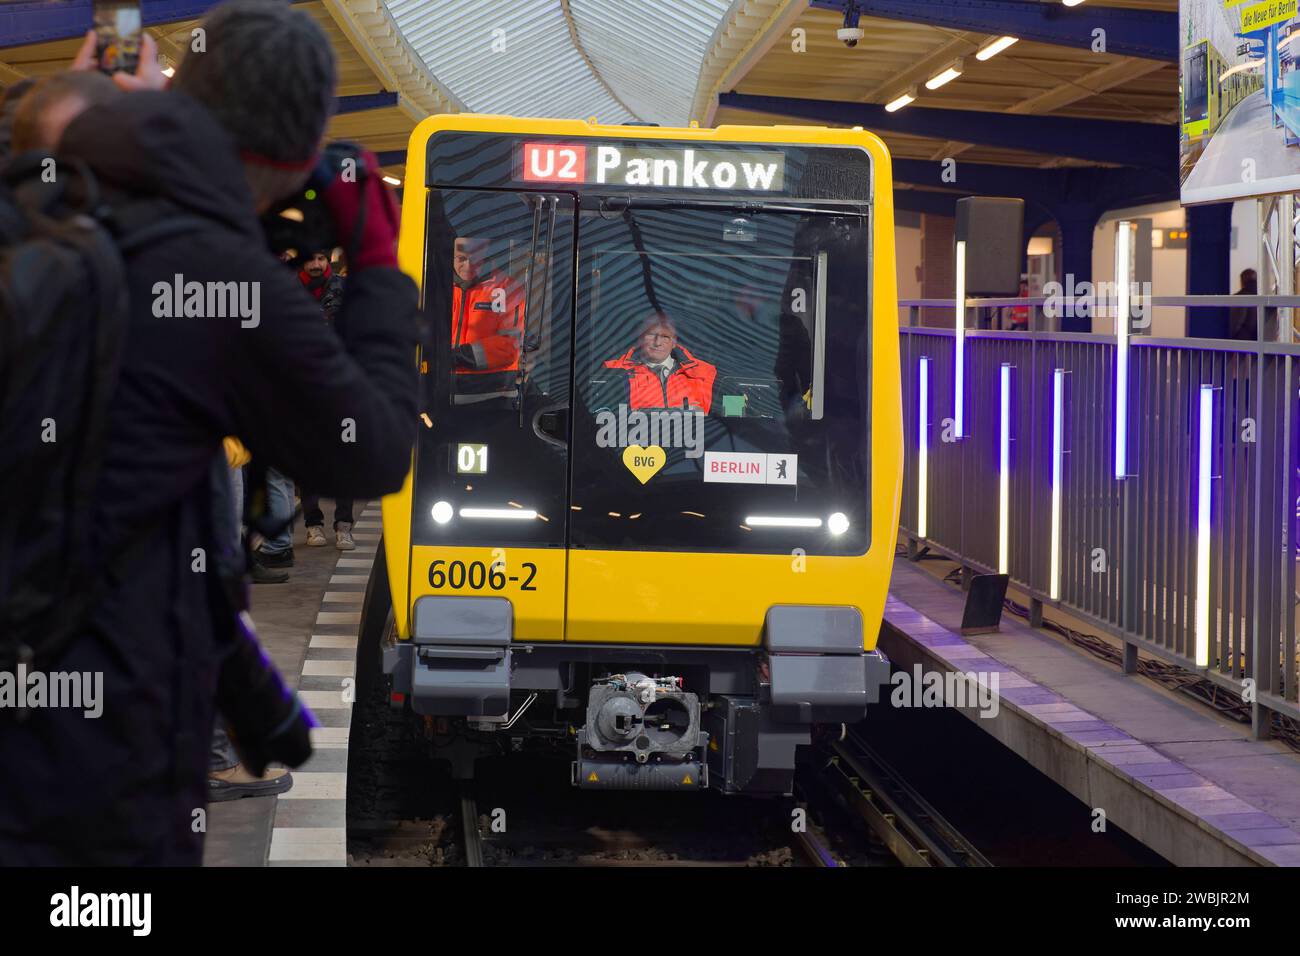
(649, 166)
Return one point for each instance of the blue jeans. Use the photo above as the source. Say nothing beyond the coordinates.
(312, 515)
(237, 497)
(279, 504)
(223, 755)
(223, 752)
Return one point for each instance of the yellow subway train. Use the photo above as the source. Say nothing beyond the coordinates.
(651, 516)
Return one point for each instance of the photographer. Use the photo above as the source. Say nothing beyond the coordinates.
(239, 131)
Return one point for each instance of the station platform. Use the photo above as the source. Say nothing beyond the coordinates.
(308, 626)
(1185, 781)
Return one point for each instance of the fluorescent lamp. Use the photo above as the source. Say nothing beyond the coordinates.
(946, 77)
(908, 96)
(1058, 441)
(1071, 3)
(392, 180)
(1203, 530)
(990, 50)
(516, 514)
(1004, 466)
(1122, 242)
(169, 71)
(923, 446)
(959, 343)
(765, 521)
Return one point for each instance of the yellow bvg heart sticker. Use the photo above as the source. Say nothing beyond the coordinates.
(644, 462)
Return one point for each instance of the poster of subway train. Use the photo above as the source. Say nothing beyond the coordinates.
(1239, 110)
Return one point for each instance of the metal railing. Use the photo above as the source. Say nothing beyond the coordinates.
(1133, 556)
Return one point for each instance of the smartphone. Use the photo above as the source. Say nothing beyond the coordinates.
(117, 29)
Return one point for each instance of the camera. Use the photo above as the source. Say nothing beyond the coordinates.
(301, 223)
(850, 35)
(266, 719)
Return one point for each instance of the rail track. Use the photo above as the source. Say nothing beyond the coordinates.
(637, 830)
(405, 810)
(913, 831)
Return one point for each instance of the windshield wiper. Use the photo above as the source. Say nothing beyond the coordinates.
(526, 342)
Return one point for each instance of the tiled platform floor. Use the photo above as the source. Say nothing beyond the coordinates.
(308, 626)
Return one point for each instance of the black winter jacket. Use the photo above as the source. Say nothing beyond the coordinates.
(124, 788)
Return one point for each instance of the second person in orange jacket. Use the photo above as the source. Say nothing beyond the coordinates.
(487, 312)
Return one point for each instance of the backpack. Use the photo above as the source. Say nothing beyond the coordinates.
(63, 318)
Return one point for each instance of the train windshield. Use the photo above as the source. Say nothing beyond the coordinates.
(627, 373)
(1195, 86)
(721, 364)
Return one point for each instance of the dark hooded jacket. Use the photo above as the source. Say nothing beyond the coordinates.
(335, 408)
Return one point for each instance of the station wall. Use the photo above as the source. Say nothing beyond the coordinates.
(1169, 265)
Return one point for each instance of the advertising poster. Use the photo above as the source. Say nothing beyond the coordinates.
(1239, 92)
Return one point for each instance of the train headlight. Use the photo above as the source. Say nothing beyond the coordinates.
(838, 523)
(442, 512)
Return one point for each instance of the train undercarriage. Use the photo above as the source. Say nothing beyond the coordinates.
(631, 717)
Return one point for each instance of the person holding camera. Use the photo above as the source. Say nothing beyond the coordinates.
(240, 129)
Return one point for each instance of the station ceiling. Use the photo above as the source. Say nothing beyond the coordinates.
(1028, 78)
(668, 62)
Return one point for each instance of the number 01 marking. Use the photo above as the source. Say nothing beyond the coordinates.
(471, 459)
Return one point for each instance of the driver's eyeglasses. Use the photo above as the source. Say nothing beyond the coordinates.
(655, 336)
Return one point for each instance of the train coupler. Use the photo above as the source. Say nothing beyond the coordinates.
(604, 774)
(641, 733)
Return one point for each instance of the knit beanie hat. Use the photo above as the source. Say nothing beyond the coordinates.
(267, 72)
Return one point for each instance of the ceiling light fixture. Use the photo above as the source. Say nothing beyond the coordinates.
(909, 96)
(946, 77)
(990, 50)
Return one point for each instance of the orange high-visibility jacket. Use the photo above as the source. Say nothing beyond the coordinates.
(488, 316)
(692, 382)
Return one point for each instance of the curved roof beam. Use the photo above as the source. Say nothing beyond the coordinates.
(742, 39)
(576, 40)
(370, 28)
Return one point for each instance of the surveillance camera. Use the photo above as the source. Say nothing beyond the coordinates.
(850, 35)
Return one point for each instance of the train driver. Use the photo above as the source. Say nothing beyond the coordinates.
(662, 373)
(487, 312)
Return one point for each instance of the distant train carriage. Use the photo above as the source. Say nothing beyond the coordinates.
(1210, 91)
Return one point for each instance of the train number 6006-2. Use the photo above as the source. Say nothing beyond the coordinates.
(477, 575)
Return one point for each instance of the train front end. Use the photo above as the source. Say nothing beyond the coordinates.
(650, 522)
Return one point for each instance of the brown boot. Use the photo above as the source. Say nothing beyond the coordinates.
(238, 782)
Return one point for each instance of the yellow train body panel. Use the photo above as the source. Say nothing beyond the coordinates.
(660, 598)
